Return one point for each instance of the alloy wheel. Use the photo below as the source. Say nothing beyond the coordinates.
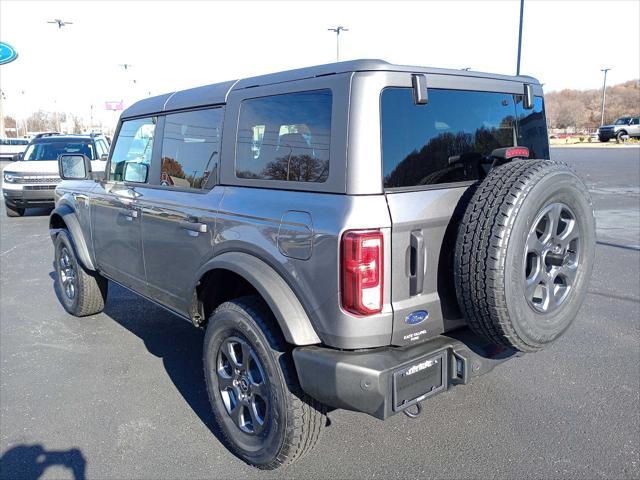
(551, 257)
(67, 273)
(243, 385)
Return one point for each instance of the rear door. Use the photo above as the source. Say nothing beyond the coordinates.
(180, 205)
(431, 154)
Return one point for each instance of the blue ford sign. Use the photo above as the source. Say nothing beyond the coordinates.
(417, 317)
(7, 53)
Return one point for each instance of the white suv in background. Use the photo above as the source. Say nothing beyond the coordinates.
(31, 181)
(10, 147)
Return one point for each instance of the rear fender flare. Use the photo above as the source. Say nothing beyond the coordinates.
(287, 309)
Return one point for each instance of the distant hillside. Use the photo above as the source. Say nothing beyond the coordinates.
(582, 108)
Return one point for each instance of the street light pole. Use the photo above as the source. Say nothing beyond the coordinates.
(604, 90)
(338, 29)
(520, 36)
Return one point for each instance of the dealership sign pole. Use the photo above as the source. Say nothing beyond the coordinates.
(7, 55)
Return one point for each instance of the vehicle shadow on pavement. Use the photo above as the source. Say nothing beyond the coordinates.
(38, 212)
(29, 462)
(175, 341)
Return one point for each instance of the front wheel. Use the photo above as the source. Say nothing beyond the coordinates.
(620, 136)
(80, 291)
(266, 418)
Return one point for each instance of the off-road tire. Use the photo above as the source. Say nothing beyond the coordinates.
(619, 136)
(13, 211)
(490, 254)
(295, 420)
(90, 287)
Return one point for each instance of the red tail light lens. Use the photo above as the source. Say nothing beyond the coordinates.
(515, 152)
(362, 268)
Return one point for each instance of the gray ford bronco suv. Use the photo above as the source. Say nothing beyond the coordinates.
(358, 235)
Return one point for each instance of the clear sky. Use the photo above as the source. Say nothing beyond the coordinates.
(179, 44)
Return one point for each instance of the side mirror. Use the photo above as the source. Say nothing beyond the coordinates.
(136, 172)
(74, 167)
(17, 157)
(104, 157)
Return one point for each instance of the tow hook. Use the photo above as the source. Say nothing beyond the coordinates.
(415, 414)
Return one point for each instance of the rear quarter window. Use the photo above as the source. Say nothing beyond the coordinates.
(285, 137)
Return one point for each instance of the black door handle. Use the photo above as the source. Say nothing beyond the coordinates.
(417, 263)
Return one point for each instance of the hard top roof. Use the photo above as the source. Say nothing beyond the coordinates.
(217, 93)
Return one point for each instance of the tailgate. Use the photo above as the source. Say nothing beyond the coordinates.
(422, 243)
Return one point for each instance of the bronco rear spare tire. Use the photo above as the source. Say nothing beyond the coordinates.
(524, 253)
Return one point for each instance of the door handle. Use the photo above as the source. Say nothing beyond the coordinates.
(129, 213)
(193, 225)
(416, 263)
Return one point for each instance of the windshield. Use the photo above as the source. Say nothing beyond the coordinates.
(52, 149)
(449, 139)
(622, 121)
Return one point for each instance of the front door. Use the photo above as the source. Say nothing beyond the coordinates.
(116, 218)
(117, 234)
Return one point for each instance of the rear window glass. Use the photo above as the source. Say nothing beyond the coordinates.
(448, 139)
(52, 149)
(285, 137)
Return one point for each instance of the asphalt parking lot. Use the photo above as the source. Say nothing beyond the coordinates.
(121, 394)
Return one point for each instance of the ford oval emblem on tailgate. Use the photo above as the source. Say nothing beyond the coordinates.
(417, 317)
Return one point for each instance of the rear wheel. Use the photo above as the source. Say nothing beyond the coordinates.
(13, 211)
(80, 291)
(524, 253)
(266, 418)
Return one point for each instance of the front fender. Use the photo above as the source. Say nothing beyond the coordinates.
(287, 309)
(66, 212)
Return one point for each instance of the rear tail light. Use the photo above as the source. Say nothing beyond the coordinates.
(362, 271)
(515, 152)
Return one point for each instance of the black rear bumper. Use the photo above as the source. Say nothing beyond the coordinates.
(369, 381)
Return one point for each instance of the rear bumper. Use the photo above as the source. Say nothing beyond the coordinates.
(368, 381)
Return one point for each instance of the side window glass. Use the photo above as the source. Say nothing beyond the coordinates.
(190, 148)
(134, 145)
(635, 121)
(285, 137)
(532, 128)
(101, 148)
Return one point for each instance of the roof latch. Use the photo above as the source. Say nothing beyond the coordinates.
(419, 82)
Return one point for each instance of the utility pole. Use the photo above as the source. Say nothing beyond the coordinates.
(520, 36)
(338, 29)
(604, 90)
